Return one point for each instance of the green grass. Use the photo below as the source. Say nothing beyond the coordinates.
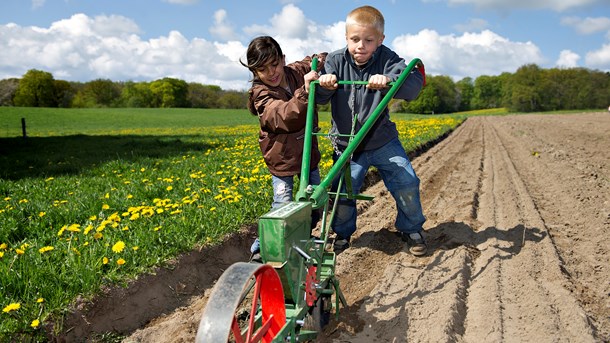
(94, 197)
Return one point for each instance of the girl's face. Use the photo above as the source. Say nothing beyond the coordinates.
(272, 72)
(362, 41)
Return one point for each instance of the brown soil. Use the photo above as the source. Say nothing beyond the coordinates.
(518, 212)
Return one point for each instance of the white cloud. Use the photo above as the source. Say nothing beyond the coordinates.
(599, 59)
(587, 25)
(289, 23)
(83, 48)
(37, 3)
(471, 54)
(222, 28)
(473, 25)
(567, 59)
(508, 5)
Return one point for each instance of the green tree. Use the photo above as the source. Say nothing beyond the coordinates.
(64, 93)
(526, 87)
(203, 96)
(8, 88)
(98, 93)
(233, 99)
(169, 92)
(36, 89)
(136, 94)
(487, 92)
(465, 92)
(438, 96)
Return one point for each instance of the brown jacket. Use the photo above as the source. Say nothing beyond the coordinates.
(282, 119)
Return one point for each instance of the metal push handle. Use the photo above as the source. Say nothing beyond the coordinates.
(320, 194)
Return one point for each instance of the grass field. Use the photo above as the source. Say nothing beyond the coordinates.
(93, 197)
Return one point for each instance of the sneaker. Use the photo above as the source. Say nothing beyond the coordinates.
(416, 242)
(256, 258)
(256, 246)
(340, 244)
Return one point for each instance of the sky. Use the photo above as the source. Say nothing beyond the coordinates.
(203, 40)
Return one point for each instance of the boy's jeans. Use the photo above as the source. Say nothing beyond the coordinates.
(399, 178)
(282, 193)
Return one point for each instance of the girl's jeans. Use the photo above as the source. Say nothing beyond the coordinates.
(282, 193)
(397, 174)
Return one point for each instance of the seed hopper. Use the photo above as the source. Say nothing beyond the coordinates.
(291, 295)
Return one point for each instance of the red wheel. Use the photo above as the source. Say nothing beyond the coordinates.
(246, 305)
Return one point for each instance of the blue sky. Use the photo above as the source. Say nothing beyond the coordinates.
(203, 40)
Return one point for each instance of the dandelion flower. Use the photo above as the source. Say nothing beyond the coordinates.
(105, 260)
(42, 214)
(35, 323)
(118, 247)
(40, 300)
(120, 262)
(45, 249)
(169, 188)
(3, 246)
(11, 307)
(19, 251)
(105, 207)
(98, 235)
(135, 248)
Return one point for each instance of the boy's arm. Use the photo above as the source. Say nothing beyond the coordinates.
(413, 84)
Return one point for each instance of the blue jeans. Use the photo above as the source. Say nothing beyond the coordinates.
(283, 187)
(282, 193)
(397, 174)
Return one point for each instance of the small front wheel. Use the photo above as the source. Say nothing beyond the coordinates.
(246, 305)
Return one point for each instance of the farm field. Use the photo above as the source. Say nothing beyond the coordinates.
(95, 201)
(518, 212)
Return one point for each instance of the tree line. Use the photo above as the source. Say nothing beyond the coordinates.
(529, 89)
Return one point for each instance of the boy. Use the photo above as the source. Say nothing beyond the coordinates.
(366, 58)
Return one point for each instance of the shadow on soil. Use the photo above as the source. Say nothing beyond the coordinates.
(445, 236)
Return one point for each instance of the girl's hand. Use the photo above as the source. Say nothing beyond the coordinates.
(311, 76)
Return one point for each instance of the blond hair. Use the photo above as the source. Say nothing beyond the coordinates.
(366, 16)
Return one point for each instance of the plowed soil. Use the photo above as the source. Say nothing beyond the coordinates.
(518, 221)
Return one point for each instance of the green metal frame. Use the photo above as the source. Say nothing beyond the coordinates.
(285, 232)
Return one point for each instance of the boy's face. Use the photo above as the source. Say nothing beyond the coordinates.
(362, 41)
(272, 72)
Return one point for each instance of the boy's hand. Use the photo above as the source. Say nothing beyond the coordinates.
(329, 81)
(311, 76)
(378, 81)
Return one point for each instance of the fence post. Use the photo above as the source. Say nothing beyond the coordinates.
(23, 131)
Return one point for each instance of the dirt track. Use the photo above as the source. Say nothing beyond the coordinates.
(518, 212)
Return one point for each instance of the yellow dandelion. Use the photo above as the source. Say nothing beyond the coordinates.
(11, 307)
(118, 247)
(120, 262)
(42, 214)
(169, 188)
(1, 254)
(212, 209)
(105, 207)
(19, 251)
(98, 235)
(93, 217)
(45, 249)
(129, 196)
(107, 196)
(74, 228)
(40, 300)
(135, 248)
(105, 260)
(157, 228)
(35, 323)
(3, 246)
